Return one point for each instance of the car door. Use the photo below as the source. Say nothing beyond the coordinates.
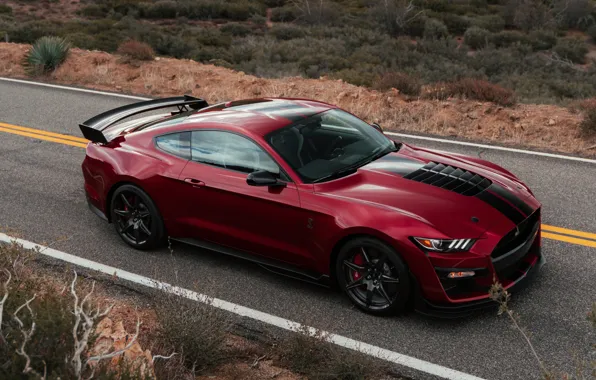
(223, 208)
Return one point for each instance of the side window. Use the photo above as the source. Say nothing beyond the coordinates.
(230, 151)
(177, 144)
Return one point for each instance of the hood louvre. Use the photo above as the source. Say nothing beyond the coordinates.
(450, 178)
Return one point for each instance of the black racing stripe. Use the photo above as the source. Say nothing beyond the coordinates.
(512, 198)
(500, 204)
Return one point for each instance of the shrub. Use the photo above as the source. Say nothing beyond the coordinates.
(404, 83)
(235, 29)
(508, 38)
(435, 29)
(455, 24)
(492, 23)
(472, 89)
(284, 14)
(93, 11)
(574, 13)
(161, 9)
(477, 38)
(528, 15)
(46, 55)
(592, 33)
(7, 9)
(542, 40)
(287, 32)
(136, 50)
(572, 49)
(588, 124)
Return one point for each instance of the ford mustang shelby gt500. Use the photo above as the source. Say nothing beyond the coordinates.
(309, 190)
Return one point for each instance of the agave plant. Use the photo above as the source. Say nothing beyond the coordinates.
(46, 54)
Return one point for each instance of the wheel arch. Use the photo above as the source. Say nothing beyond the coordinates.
(110, 194)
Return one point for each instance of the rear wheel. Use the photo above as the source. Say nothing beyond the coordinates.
(136, 218)
(373, 276)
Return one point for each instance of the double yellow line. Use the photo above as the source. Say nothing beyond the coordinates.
(587, 239)
(44, 135)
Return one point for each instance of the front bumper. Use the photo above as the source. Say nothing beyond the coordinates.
(513, 262)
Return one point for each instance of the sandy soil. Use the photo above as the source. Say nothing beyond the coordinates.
(543, 127)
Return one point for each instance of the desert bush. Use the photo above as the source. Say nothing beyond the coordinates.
(136, 50)
(284, 14)
(477, 38)
(235, 29)
(572, 49)
(592, 33)
(6, 9)
(93, 11)
(588, 123)
(46, 55)
(508, 38)
(194, 330)
(287, 32)
(435, 29)
(406, 84)
(528, 15)
(493, 23)
(161, 9)
(455, 24)
(574, 13)
(399, 17)
(472, 89)
(542, 40)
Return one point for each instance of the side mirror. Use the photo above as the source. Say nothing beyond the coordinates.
(263, 178)
(377, 127)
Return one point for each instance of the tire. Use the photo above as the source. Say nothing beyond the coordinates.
(373, 276)
(136, 218)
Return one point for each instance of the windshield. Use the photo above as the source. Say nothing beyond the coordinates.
(329, 145)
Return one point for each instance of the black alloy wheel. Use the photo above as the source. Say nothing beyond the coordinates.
(373, 276)
(136, 218)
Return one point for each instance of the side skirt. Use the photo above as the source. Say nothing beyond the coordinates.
(271, 265)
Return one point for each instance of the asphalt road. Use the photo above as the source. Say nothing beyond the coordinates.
(42, 199)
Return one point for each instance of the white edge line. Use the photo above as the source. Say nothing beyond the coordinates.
(96, 92)
(434, 139)
(365, 348)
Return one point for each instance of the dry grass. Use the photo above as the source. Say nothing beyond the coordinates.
(544, 127)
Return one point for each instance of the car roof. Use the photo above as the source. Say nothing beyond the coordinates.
(256, 116)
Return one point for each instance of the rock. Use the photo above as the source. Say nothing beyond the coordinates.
(551, 122)
(157, 58)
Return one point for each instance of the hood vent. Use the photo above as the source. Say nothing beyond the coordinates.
(450, 178)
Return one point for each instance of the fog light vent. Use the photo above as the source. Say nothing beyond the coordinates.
(461, 274)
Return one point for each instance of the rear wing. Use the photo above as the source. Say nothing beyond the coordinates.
(93, 128)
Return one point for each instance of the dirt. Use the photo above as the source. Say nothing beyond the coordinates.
(543, 127)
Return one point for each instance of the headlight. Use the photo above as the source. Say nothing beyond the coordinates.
(444, 245)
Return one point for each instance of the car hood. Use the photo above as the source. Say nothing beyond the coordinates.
(402, 182)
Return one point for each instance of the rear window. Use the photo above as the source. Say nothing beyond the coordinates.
(177, 144)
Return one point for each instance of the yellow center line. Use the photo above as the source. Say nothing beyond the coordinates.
(43, 137)
(587, 239)
(44, 133)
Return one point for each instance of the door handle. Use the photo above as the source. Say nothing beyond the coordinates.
(194, 182)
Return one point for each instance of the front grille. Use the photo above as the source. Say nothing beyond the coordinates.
(511, 240)
(450, 178)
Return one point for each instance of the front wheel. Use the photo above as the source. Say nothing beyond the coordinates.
(136, 218)
(373, 276)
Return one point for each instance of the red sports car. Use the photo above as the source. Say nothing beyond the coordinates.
(311, 191)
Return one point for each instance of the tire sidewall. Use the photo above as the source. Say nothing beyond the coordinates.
(399, 305)
(157, 226)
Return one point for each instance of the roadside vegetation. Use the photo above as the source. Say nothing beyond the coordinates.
(542, 50)
(56, 323)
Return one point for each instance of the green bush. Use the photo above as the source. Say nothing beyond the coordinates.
(287, 32)
(573, 49)
(404, 83)
(161, 9)
(477, 38)
(542, 40)
(435, 29)
(592, 33)
(284, 14)
(6, 9)
(493, 23)
(574, 13)
(46, 55)
(455, 24)
(508, 38)
(235, 29)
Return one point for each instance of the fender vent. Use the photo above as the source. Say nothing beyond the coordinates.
(450, 178)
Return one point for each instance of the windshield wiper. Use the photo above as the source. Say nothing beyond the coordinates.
(353, 168)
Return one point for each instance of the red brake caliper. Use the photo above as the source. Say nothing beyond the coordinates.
(358, 260)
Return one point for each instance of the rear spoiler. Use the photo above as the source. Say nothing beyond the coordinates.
(92, 128)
